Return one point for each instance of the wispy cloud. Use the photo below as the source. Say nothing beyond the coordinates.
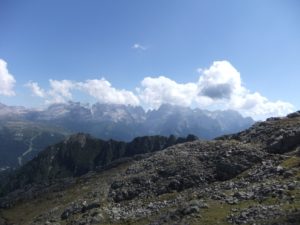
(139, 47)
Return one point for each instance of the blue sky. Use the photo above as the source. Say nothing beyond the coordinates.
(126, 42)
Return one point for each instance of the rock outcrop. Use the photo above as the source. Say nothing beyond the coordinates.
(276, 135)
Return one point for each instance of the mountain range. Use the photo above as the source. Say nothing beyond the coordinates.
(250, 177)
(25, 132)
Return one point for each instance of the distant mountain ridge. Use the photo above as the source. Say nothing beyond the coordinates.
(124, 122)
(105, 121)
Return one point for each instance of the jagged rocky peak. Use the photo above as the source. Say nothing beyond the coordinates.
(125, 122)
(118, 112)
(95, 112)
(69, 110)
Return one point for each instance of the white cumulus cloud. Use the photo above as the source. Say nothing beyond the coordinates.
(7, 81)
(35, 89)
(103, 91)
(160, 90)
(220, 81)
(60, 91)
(258, 106)
(221, 85)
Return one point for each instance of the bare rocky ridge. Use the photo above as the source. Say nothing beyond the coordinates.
(252, 177)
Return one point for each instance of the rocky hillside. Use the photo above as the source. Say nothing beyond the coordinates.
(275, 135)
(81, 153)
(252, 177)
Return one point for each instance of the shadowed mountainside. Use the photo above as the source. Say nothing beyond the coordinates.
(81, 153)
